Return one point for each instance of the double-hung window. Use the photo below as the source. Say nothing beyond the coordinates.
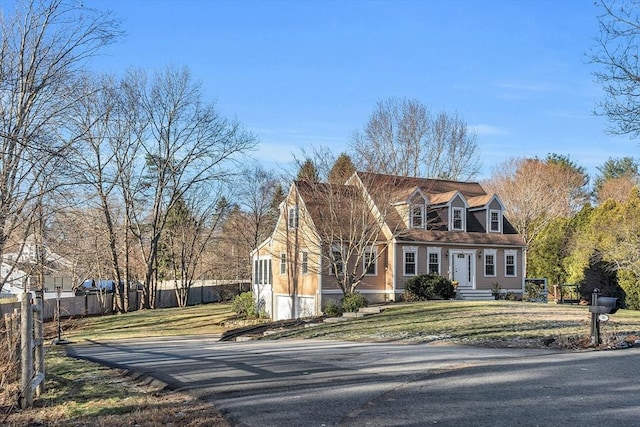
(337, 262)
(410, 257)
(417, 216)
(457, 219)
(433, 259)
(283, 263)
(490, 262)
(370, 261)
(494, 221)
(293, 217)
(510, 257)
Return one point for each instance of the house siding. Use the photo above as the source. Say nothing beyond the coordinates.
(294, 294)
(481, 282)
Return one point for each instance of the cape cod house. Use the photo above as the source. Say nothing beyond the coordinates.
(374, 233)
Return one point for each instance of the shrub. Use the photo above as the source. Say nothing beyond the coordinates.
(244, 305)
(534, 292)
(629, 284)
(333, 309)
(353, 302)
(428, 286)
(409, 297)
(511, 296)
(442, 287)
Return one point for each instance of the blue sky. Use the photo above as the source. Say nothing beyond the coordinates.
(308, 73)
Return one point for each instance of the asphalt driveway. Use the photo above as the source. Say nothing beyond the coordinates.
(333, 383)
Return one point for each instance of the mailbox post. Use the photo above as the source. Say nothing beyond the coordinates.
(595, 322)
(600, 308)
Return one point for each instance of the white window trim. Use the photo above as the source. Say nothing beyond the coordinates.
(264, 272)
(515, 262)
(405, 250)
(293, 220)
(422, 216)
(434, 250)
(336, 248)
(493, 252)
(374, 251)
(499, 212)
(462, 218)
(283, 263)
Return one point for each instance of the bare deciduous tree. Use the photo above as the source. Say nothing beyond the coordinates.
(108, 124)
(256, 192)
(616, 55)
(617, 189)
(402, 137)
(191, 225)
(616, 179)
(188, 144)
(43, 46)
(535, 192)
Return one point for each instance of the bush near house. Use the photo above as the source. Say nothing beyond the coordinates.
(534, 292)
(354, 302)
(428, 286)
(333, 309)
(244, 305)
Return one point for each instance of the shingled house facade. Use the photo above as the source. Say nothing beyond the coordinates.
(376, 232)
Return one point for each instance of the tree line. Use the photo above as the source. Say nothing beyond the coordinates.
(139, 178)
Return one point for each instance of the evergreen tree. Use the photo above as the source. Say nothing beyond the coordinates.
(276, 198)
(342, 169)
(308, 172)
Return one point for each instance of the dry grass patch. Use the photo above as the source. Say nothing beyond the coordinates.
(202, 319)
(81, 393)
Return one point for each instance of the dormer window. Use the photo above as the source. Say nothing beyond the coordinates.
(417, 216)
(457, 219)
(495, 221)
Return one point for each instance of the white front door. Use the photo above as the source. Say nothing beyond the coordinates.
(463, 269)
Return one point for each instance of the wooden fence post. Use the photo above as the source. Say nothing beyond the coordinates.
(31, 343)
(26, 354)
(38, 329)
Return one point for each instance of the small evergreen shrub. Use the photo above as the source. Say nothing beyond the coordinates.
(353, 302)
(534, 292)
(333, 309)
(428, 286)
(418, 289)
(244, 305)
(442, 287)
(629, 284)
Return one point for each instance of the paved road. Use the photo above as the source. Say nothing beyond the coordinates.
(331, 383)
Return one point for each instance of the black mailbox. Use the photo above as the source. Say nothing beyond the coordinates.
(611, 304)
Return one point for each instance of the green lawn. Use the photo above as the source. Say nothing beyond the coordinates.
(498, 323)
(81, 393)
(196, 320)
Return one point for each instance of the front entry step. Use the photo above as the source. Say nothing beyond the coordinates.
(475, 294)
